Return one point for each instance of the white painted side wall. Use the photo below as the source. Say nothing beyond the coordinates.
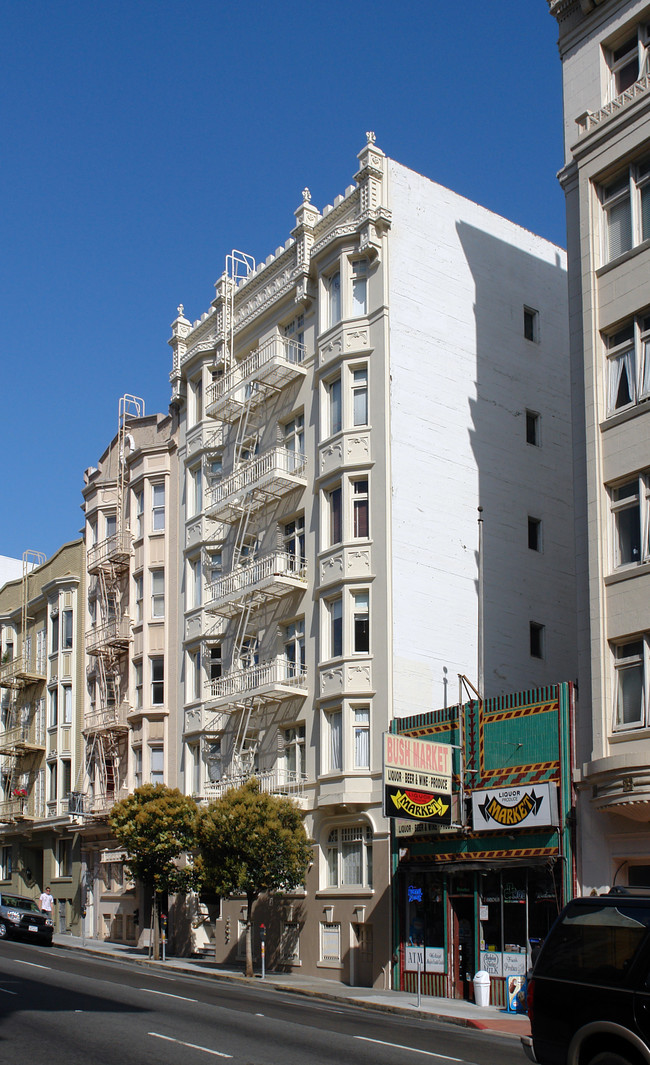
(10, 569)
(462, 376)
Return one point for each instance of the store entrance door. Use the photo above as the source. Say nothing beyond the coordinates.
(462, 945)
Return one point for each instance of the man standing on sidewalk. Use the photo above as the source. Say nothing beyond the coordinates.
(46, 901)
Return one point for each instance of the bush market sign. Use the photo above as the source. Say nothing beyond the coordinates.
(503, 808)
(417, 780)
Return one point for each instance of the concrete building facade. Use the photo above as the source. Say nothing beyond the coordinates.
(606, 178)
(345, 408)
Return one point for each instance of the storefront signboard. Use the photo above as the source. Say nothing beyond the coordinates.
(491, 962)
(502, 809)
(514, 964)
(427, 959)
(417, 780)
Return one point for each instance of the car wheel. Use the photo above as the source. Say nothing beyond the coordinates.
(3, 930)
(608, 1057)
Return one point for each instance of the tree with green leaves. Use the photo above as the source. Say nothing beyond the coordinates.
(252, 844)
(156, 825)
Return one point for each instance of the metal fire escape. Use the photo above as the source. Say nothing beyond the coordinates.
(237, 399)
(22, 741)
(109, 639)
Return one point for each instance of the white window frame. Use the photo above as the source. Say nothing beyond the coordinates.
(139, 513)
(360, 607)
(627, 353)
(195, 491)
(332, 750)
(138, 594)
(156, 763)
(138, 682)
(155, 662)
(349, 847)
(360, 502)
(157, 581)
(630, 521)
(361, 736)
(634, 60)
(330, 941)
(629, 656)
(294, 647)
(359, 269)
(158, 506)
(293, 752)
(194, 596)
(334, 406)
(359, 395)
(137, 766)
(626, 199)
(334, 298)
(67, 704)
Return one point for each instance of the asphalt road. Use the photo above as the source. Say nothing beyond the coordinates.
(64, 1008)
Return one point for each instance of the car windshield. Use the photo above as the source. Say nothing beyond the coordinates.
(16, 903)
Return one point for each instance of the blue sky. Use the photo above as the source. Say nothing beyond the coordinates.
(144, 140)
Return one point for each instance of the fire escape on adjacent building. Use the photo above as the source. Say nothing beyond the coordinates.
(22, 740)
(108, 641)
(240, 499)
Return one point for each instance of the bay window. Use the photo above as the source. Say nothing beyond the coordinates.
(630, 687)
(349, 856)
(361, 737)
(334, 726)
(158, 507)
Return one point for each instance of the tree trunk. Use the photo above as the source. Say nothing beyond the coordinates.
(156, 930)
(249, 935)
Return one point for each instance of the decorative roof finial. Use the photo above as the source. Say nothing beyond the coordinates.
(306, 195)
(180, 310)
(370, 137)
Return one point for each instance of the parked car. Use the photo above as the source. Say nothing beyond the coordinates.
(21, 917)
(589, 993)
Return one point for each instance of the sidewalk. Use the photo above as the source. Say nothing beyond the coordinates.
(453, 1011)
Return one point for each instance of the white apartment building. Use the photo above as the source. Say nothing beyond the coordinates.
(604, 48)
(129, 725)
(345, 408)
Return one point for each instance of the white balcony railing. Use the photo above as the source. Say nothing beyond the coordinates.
(272, 474)
(277, 361)
(275, 677)
(276, 572)
(114, 549)
(594, 118)
(113, 633)
(22, 739)
(273, 782)
(19, 671)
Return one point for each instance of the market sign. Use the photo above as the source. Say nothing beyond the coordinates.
(500, 809)
(417, 780)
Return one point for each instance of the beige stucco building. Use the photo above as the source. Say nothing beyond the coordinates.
(604, 48)
(41, 743)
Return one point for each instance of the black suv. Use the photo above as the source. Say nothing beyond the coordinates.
(589, 994)
(21, 917)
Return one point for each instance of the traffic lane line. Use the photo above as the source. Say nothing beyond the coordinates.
(191, 1046)
(414, 1050)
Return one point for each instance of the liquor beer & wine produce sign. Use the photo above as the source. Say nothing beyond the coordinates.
(417, 779)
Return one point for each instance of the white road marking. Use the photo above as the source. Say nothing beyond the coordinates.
(414, 1050)
(32, 963)
(192, 1046)
(167, 994)
(4, 989)
(259, 1014)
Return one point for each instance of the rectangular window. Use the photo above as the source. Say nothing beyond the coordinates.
(626, 513)
(531, 324)
(5, 863)
(66, 783)
(334, 501)
(195, 491)
(111, 525)
(533, 425)
(54, 633)
(139, 595)
(215, 566)
(67, 704)
(137, 767)
(54, 707)
(330, 941)
(629, 662)
(194, 678)
(157, 593)
(361, 622)
(334, 299)
(349, 857)
(628, 61)
(534, 534)
(293, 747)
(157, 681)
(67, 630)
(156, 765)
(536, 639)
(294, 648)
(64, 857)
(628, 364)
(215, 662)
(360, 510)
(194, 584)
(196, 390)
(293, 538)
(334, 404)
(139, 514)
(158, 507)
(334, 727)
(294, 441)
(359, 288)
(360, 396)
(52, 782)
(362, 737)
(137, 682)
(626, 210)
(335, 608)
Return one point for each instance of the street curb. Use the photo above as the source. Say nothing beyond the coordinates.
(306, 992)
